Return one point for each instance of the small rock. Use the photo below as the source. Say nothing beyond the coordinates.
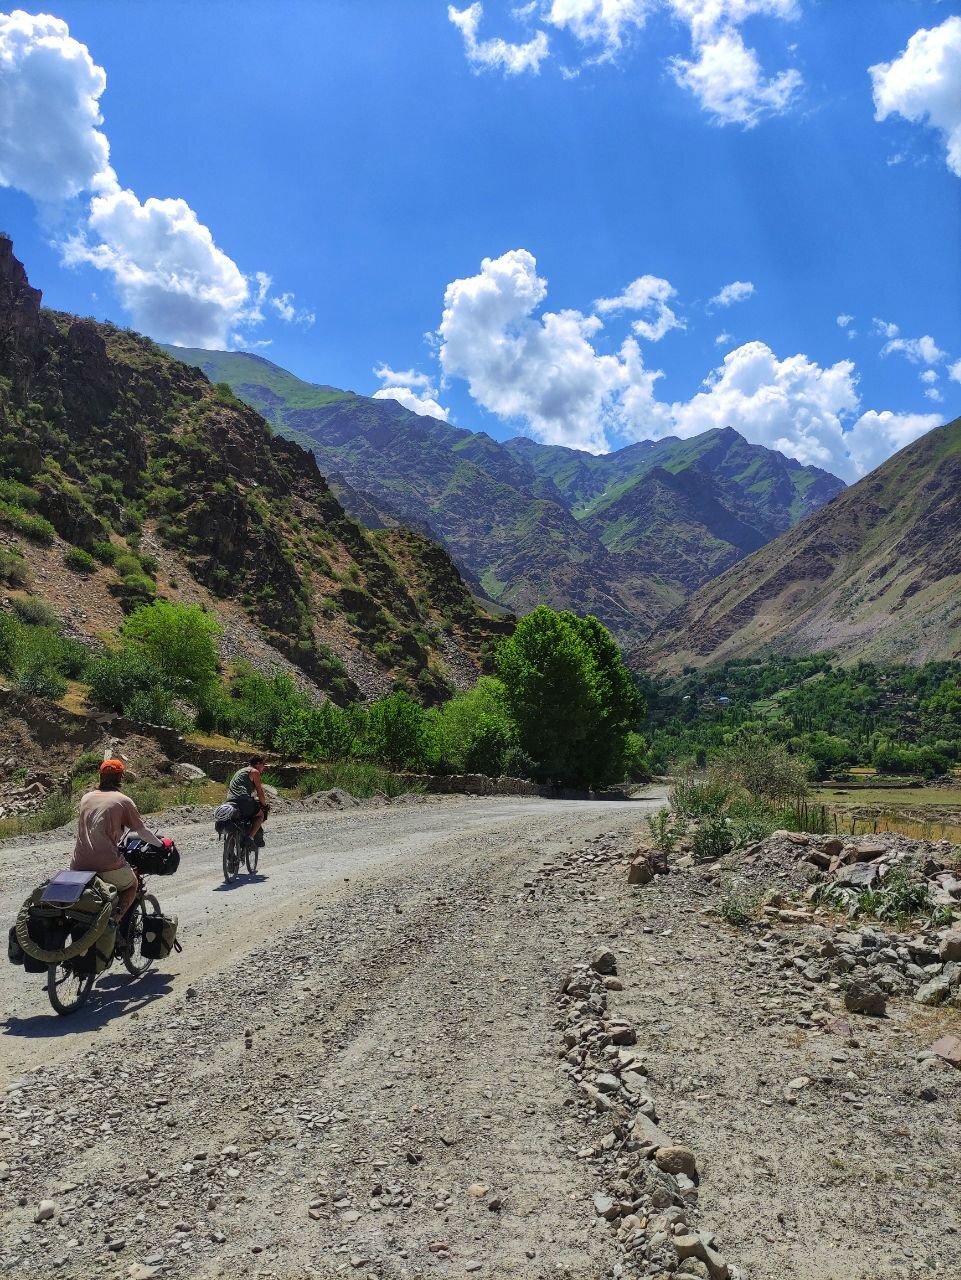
(676, 1160)
(864, 996)
(45, 1211)
(604, 961)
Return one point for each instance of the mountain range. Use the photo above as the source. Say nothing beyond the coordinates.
(625, 535)
(874, 574)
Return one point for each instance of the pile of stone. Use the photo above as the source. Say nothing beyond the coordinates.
(650, 1190)
(30, 796)
(871, 964)
(862, 862)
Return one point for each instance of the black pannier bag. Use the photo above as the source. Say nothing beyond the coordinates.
(15, 953)
(49, 932)
(148, 859)
(159, 937)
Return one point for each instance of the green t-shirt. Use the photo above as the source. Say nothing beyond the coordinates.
(242, 785)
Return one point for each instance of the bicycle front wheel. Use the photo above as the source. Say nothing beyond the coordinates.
(253, 856)
(68, 990)
(130, 951)
(231, 857)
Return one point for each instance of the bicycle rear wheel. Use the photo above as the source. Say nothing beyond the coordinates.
(231, 857)
(130, 951)
(68, 990)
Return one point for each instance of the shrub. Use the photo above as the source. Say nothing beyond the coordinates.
(763, 768)
(156, 705)
(259, 704)
(396, 731)
(474, 733)
(79, 560)
(35, 527)
(738, 903)
(314, 733)
(35, 612)
(712, 839)
(37, 675)
(179, 641)
(115, 678)
(691, 797)
(751, 820)
(13, 567)
(105, 552)
(665, 830)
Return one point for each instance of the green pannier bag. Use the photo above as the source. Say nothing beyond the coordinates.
(159, 937)
(80, 934)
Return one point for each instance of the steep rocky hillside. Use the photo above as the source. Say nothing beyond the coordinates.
(109, 446)
(876, 574)
(530, 523)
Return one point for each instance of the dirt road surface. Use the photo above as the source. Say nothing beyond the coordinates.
(357, 1068)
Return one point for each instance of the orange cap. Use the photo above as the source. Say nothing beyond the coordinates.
(112, 766)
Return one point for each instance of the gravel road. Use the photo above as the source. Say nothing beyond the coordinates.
(344, 1046)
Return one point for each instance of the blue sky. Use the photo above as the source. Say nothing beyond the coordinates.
(366, 154)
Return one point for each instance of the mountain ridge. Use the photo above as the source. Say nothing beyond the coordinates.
(876, 573)
(529, 523)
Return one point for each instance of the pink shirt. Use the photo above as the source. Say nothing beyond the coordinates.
(103, 819)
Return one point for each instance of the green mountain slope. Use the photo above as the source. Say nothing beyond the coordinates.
(529, 523)
(875, 574)
(113, 442)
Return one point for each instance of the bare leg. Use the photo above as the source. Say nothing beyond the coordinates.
(255, 826)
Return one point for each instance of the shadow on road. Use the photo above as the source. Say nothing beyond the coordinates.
(111, 997)
(239, 883)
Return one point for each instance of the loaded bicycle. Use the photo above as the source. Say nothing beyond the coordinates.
(238, 845)
(66, 928)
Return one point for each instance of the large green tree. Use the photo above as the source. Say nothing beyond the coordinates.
(572, 698)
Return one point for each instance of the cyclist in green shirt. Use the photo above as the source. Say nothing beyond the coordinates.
(246, 791)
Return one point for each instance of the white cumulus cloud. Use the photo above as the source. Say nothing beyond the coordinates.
(954, 371)
(541, 370)
(875, 436)
(727, 79)
(723, 73)
(923, 85)
(51, 146)
(736, 291)
(604, 22)
(844, 320)
(723, 339)
(177, 284)
(922, 350)
(496, 53)
(650, 294)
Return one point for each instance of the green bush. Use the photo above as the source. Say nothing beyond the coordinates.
(13, 567)
(712, 839)
(258, 706)
(396, 731)
(115, 678)
(665, 830)
(692, 797)
(473, 732)
(36, 675)
(751, 820)
(35, 612)
(314, 733)
(79, 560)
(763, 768)
(178, 640)
(156, 705)
(31, 526)
(105, 552)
